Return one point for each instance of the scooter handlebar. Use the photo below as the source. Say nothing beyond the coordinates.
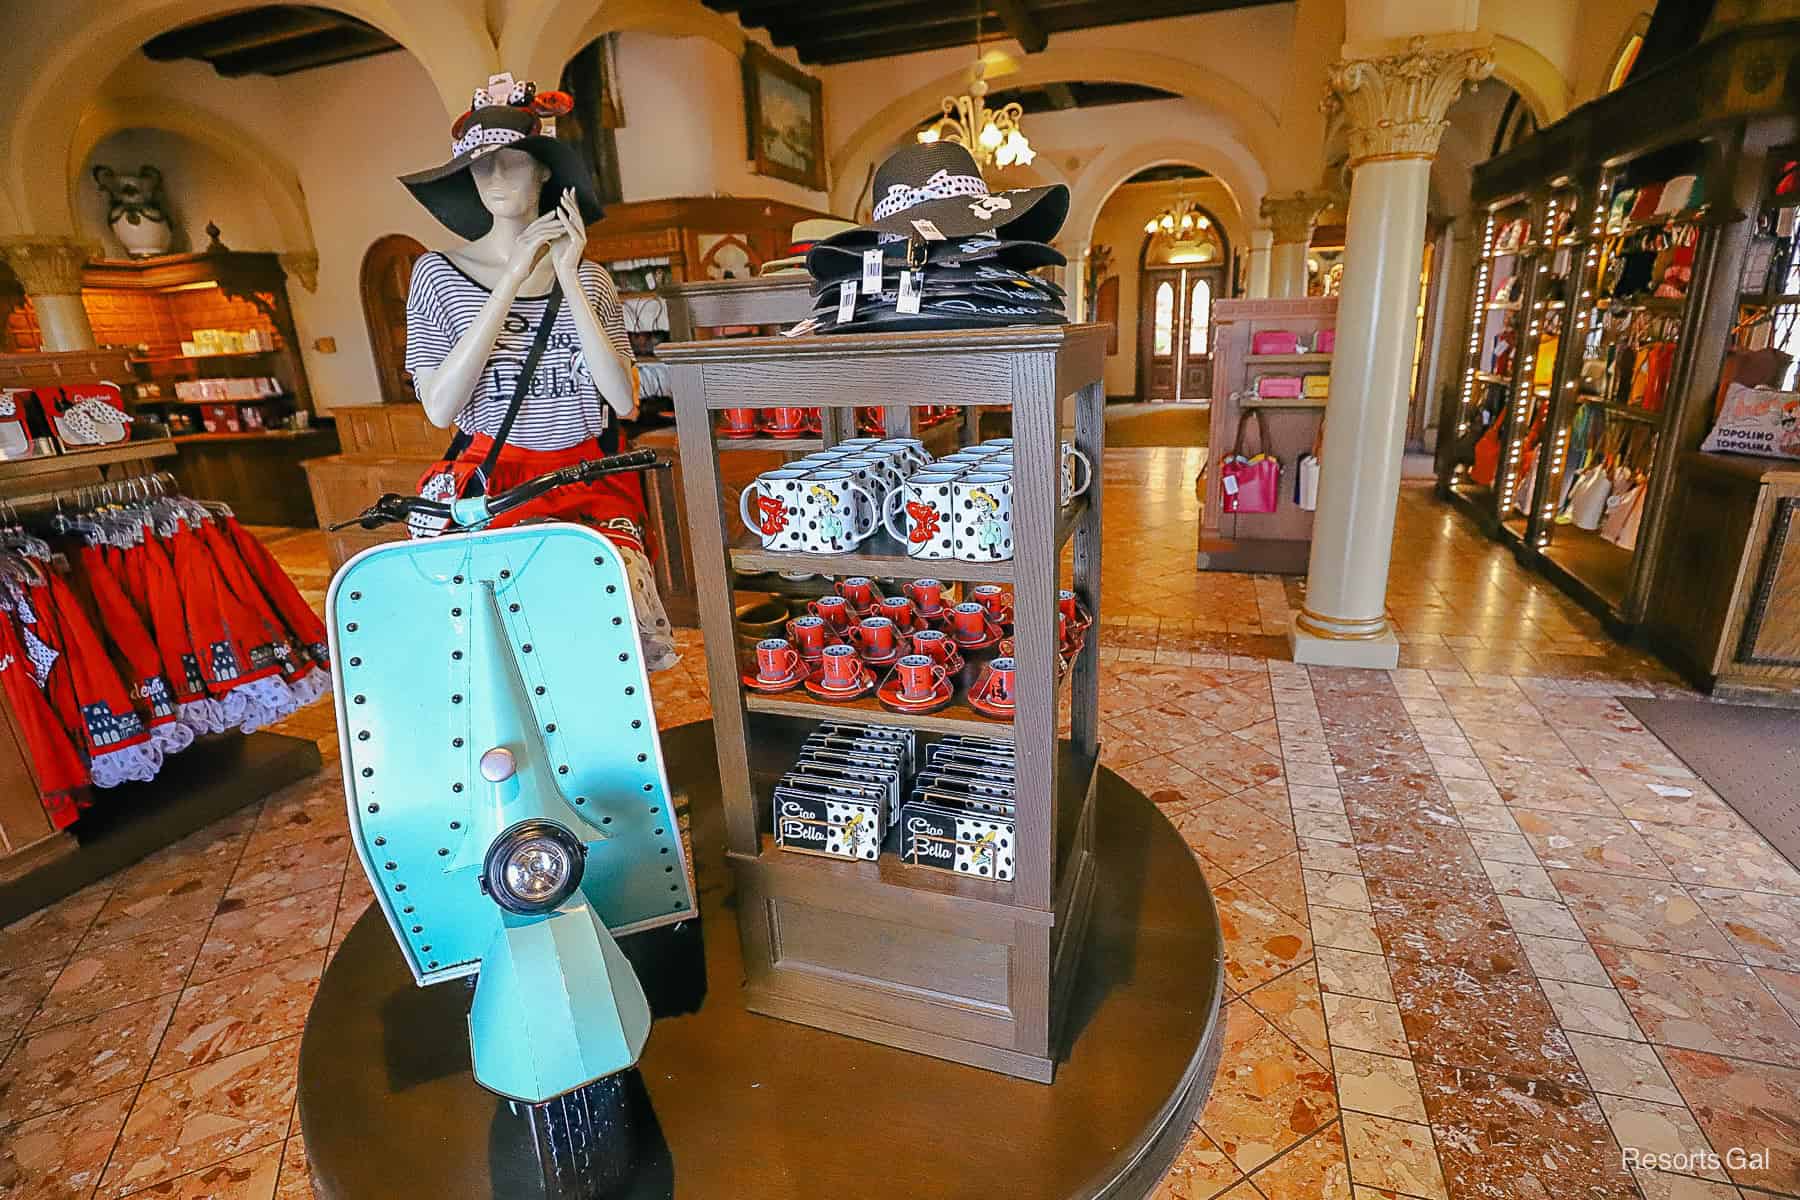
(393, 507)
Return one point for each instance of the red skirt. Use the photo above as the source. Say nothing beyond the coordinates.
(613, 505)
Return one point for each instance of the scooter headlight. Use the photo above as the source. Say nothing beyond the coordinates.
(533, 866)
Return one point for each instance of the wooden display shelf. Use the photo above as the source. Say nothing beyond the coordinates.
(161, 360)
(99, 456)
(802, 445)
(245, 435)
(958, 968)
(1273, 359)
(957, 718)
(1272, 402)
(882, 557)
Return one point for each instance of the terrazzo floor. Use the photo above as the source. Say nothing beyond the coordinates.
(1487, 938)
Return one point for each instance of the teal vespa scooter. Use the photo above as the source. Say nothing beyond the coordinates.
(506, 789)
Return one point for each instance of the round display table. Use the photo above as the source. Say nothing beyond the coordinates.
(726, 1103)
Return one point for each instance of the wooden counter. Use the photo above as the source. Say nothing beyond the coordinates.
(1723, 604)
(258, 474)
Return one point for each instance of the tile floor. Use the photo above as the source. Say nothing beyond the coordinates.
(1483, 930)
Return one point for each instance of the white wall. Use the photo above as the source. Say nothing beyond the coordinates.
(198, 184)
(351, 130)
(684, 131)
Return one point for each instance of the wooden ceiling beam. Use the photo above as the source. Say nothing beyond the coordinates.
(243, 31)
(319, 50)
(1062, 16)
(1023, 24)
(906, 29)
(766, 13)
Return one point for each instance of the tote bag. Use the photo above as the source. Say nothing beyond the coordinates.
(1250, 485)
(1306, 475)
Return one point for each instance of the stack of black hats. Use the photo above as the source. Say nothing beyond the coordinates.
(950, 253)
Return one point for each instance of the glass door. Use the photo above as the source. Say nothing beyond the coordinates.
(1176, 321)
(1529, 434)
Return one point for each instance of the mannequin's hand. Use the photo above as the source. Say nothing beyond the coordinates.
(572, 241)
(530, 247)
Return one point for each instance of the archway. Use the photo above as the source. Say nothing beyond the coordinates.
(1245, 117)
(541, 35)
(449, 40)
(230, 141)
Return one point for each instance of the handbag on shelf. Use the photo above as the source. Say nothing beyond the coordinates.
(1543, 367)
(1648, 197)
(1274, 341)
(1675, 195)
(1325, 342)
(1280, 387)
(1306, 474)
(1315, 387)
(1251, 485)
(1587, 500)
(448, 479)
(1619, 509)
(1487, 456)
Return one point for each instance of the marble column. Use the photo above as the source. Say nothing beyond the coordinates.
(1291, 220)
(1256, 272)
(50, 270)
(1394, 100)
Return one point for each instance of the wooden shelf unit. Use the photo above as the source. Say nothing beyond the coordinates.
(911, 957)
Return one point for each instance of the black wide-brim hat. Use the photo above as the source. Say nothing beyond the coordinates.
(449, 190)
(936, 188)
(829, 264)
(945, 312)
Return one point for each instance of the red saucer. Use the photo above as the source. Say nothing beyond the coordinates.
(756, 683)
(1001, 712)
(889, 695)
(817, 687)
(788, 433)
(887, 660)
(736, 433)
(994, 635)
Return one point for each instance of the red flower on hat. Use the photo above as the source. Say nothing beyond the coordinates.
(553, 104)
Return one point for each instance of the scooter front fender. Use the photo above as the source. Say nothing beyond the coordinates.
(557, 1005)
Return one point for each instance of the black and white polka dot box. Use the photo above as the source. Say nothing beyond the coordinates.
(844, 790)
(960, 815)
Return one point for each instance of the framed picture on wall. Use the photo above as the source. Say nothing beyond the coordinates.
(784, 109)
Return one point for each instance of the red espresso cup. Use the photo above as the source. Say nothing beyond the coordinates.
(927, 596)
(788, 421)
(737, 420)
(899, 610)
(996, 599)
(876, 638)
(840, 670)
(834, 610)
(969, 622)
(810, 634)
(919, 676)
(997, 684)
(776, 660)
(936, 645)
(860, 591)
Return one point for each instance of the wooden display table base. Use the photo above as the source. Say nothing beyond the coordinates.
(728, 1103)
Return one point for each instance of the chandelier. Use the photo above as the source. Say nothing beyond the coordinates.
(992, 135)
(1181, 222)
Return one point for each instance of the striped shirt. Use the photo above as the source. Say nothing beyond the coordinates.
(563, 406)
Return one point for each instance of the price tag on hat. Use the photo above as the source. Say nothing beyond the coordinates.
(909, 293)
(846, 301)
(871, 276)
(928, 231)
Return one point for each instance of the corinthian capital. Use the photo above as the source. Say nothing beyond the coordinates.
(47, 266)
(1292, 217)
(1394, 103)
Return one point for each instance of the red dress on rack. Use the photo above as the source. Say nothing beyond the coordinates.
(125, 628)
(168, 623)
(56, 767)
(86, 692)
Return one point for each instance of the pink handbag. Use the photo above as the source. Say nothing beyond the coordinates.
(1280, 387)
(1274, 341)
(1251, 485)
(1325, 341)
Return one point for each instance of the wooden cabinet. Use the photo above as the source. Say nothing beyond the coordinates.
(1724, 606)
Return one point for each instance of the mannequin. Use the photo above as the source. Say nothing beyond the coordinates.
(522, 201)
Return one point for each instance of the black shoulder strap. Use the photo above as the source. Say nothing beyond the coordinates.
(538, 344)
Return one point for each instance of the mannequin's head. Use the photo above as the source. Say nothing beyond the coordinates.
(511, 184)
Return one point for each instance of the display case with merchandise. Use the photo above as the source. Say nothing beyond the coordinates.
(1643, 200)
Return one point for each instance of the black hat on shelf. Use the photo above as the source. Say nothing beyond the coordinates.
(969, 249)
